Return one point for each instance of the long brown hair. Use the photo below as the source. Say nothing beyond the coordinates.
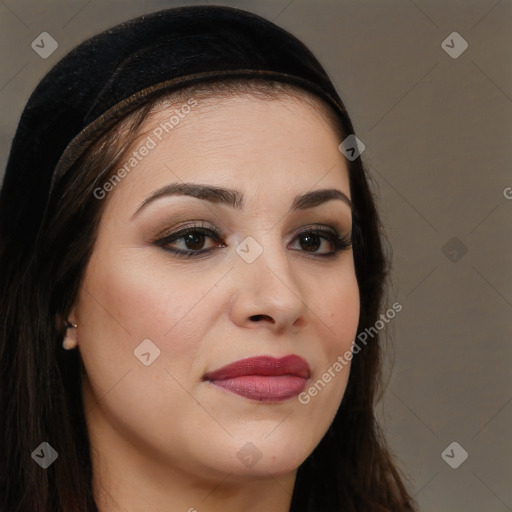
(40, 384)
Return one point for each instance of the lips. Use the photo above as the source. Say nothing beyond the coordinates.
(264, 379)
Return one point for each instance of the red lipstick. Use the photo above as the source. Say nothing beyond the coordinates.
(265, 379)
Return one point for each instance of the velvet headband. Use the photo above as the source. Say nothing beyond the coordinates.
(113, 73)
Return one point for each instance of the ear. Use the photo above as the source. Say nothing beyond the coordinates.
(71, 317)
(68, 325)
(60, 322)
(60, 319)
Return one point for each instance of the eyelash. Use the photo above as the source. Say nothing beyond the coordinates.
(339, 243)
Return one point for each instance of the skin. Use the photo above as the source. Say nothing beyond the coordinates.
(162, 438)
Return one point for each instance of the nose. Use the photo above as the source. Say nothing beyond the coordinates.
(267, 293)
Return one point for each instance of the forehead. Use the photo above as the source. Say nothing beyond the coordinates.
(285, 144)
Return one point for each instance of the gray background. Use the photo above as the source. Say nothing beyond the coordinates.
(438, 139)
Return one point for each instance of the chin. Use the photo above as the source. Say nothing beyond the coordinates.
(260, 458)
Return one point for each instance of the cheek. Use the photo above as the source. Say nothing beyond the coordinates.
(139, 297)
(337, 317)
(120, 306)
(127, 300)
(340, 302)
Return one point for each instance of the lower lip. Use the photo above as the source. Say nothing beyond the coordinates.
(264, 388)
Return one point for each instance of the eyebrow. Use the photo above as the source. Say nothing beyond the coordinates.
(235, 199)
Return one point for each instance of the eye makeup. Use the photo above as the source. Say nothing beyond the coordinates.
(193, 236)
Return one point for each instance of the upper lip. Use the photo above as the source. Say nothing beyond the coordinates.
(262, 365)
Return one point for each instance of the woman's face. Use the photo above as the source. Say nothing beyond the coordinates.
(158, 313)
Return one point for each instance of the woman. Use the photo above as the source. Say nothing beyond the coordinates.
(187, 258)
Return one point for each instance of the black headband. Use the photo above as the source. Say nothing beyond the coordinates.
(121, 68)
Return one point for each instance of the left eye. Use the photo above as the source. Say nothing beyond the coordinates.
(311, 240)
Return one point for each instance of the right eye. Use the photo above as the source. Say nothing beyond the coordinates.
(192, 243)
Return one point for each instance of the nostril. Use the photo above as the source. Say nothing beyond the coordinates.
(257, 318)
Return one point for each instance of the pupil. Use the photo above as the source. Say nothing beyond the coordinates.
(194, 241)
(312, 242)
